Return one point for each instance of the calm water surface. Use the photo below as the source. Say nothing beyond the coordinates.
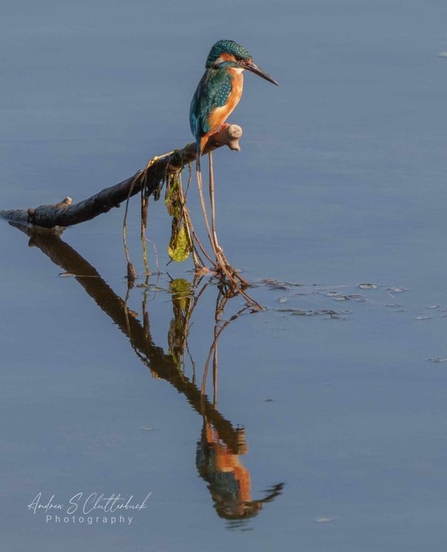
(324, 421)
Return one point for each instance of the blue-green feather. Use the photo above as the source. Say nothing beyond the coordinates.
(212, 92)
(226, 47)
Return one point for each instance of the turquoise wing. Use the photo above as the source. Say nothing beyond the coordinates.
(212, 91)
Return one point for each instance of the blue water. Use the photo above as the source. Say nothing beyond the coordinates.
(335, 208)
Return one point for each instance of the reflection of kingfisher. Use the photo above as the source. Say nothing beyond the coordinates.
(229, 481)
(220, 89)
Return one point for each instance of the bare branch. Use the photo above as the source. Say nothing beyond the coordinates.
(66, 213)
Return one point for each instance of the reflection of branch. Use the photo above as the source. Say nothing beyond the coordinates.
(220, 447)
(161, 364)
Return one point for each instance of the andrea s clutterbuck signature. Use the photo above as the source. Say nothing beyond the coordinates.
(83, 503)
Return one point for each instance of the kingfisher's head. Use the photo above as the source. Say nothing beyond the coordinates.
(228, 53)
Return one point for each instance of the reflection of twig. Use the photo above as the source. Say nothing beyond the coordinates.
(219, 327)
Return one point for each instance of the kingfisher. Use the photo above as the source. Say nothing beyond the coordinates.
(220, 89)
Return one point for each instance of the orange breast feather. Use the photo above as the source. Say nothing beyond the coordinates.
(220, 114)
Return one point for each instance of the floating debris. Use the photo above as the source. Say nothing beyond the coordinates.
(342, 297)
(358, 298)
(396, 290)
(367, 286)
(323, 519)
(332, 293)
(275, 284)
(317, 312)
(153, 287)
(295, 312)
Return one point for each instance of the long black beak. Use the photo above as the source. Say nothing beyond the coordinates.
(250, 65)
